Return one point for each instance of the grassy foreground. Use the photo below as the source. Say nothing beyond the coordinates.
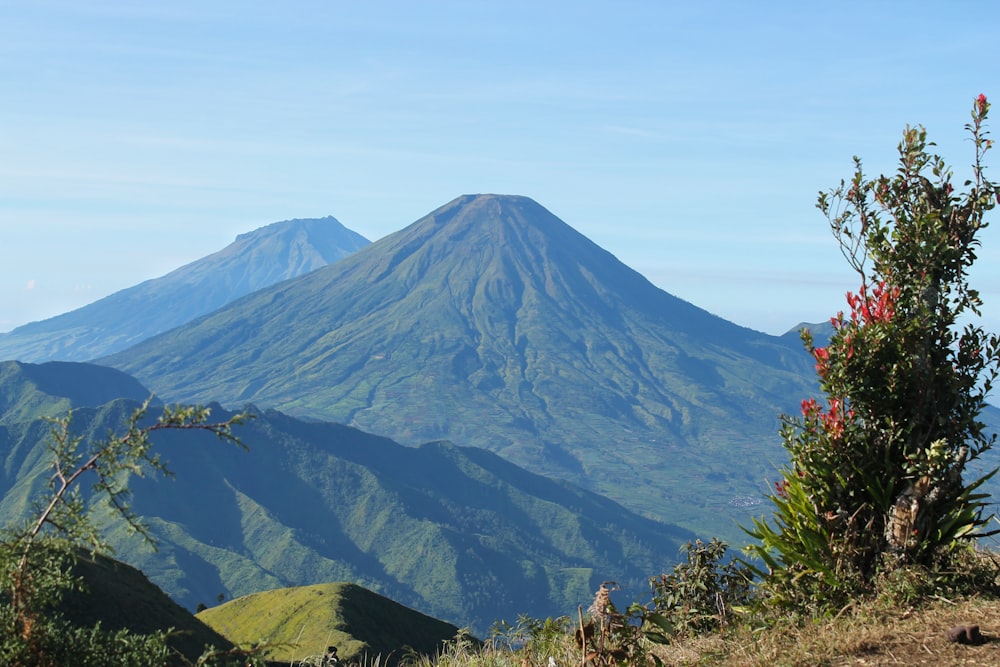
(887, 636)
(907, 620)
(865, 636)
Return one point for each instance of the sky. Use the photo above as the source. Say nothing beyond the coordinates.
(688, 139)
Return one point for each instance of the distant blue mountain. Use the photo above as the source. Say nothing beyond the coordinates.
(258, 259)
(492, 323)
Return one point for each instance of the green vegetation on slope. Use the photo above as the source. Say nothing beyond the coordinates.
(56, 608)
(302, 621)
(457, 533)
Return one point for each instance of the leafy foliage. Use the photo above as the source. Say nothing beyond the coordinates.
(701, 594)
(37, 557)
(876, 473)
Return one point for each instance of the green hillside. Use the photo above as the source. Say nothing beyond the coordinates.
(28, 391)
(303, 621)
(458, 533)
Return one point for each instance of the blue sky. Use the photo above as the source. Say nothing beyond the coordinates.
(689, 139)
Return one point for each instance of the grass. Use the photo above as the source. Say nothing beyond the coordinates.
(868, 635)
(906, 620)
(296, 622)
(299, 623)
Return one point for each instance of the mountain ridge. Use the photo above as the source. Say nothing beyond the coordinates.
(256, 259)
(457, 533)
(32, 390)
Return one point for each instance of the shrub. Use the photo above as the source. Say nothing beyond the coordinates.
(703, 593)
(876, 473)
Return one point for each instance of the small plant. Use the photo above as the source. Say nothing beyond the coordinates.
(702, 594)
(611, 637)
(465, 651)
(536, 639)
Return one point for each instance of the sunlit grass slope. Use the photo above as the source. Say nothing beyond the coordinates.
(303, 621)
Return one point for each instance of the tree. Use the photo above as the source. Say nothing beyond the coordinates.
(876, 473)
(37, 557)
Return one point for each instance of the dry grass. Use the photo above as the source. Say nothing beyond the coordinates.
(869, 636)
(866, 637)
(878, 630)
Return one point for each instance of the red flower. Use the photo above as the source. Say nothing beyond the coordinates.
(822, 360)
(879, 306)
(833, 421)
(981, 103)
(810, 407)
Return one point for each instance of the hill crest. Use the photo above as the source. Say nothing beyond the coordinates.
(303, 621)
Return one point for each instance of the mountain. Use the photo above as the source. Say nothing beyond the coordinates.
(38, 390)
(304, 620)
(455, 532)
(268, 255)
(821, 332)
(492, 323)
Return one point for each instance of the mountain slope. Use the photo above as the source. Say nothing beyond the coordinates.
(490, 322)
(34, 390)
(120, 597)
(457, 533)
(257, 259)
(303, 621)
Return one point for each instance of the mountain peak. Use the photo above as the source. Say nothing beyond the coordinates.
(495, 207)
(474, 237)
(499, 201)
(490, 322)
(257, 259)
(319, 229)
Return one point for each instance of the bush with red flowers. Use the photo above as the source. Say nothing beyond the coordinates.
(878, 469)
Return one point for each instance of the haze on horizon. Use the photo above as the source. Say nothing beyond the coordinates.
(690, 141)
